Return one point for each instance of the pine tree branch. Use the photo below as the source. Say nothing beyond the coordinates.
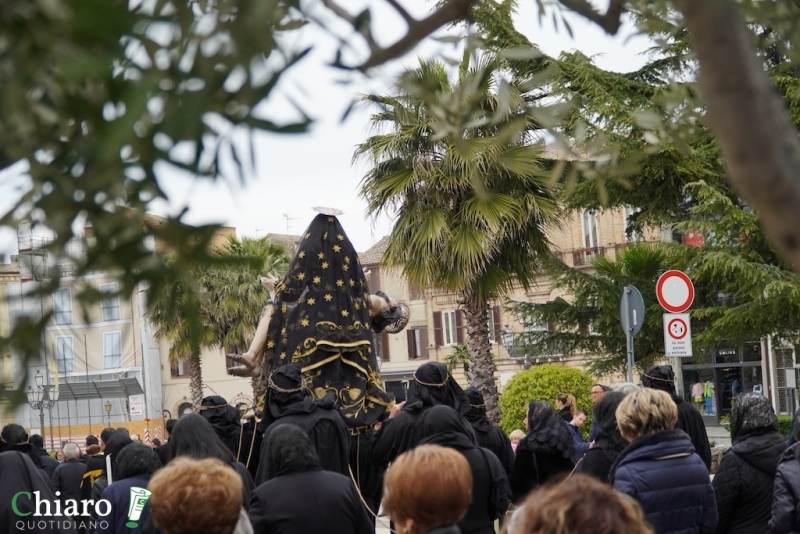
(750, 120)
(610, 21)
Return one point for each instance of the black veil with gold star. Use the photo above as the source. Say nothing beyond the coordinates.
(321, 322)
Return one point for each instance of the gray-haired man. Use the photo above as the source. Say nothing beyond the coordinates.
(67, 477)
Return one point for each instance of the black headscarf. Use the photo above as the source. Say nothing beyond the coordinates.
(14, 438)
(136, 459)
(662, 378)
(289, 450)
(546, 427)
(476, 415)
(225, 420)
(287, 393)
(433, 385)
(609, 439)
(442, 425)
(752, 415)
(114, 446)
(18, 473)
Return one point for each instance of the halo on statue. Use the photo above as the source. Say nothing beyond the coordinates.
(327, 211)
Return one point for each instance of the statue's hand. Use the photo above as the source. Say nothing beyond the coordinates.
(269, 282)
(247, 367)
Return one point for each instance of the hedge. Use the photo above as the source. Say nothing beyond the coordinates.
(544, 382)
(785, 424)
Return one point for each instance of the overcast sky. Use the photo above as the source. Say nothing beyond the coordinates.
(295, 173)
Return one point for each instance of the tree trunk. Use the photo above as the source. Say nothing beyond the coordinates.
(195, 380)
(481, 363)
(749, 118)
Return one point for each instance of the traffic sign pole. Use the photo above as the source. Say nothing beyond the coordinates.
(626, 310)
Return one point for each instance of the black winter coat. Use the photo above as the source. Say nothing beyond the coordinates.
(50, 463)
(670, 481)
(496, 441)
(691, 422)
(596, 463)
(67, 479)
(743, 484)
(536, 464)
(306, 502)
(786, 494)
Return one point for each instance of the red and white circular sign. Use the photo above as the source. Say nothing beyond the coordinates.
(675, 291)
(677, 328)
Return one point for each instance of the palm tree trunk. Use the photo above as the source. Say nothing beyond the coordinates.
(195, 380)
(481, 363)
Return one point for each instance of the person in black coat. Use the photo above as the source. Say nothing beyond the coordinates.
(50, 463)
(786, 493)
(14, 438)
(433, 385)
(19, 474)
(662, 378)
(288, 401)
(225, 421)
(745, 477)
(67, 477)
(489, 436)
(194, 437)
(301, 497)
(545, 452)
(609, 443)
(491, 495)
(163, 450)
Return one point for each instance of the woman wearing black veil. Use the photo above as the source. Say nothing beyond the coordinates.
(488, 435)
(544, 452)
(609, 442)
(433, 385)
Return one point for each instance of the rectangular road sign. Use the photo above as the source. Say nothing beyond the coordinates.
(677, 334)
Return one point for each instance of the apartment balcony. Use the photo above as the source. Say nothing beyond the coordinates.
(581, 257)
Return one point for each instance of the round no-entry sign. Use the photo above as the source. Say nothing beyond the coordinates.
(675, 291)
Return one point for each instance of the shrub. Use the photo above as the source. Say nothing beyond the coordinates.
(785, 424)
(544, 382)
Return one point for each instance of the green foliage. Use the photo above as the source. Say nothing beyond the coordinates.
(459, 355)
(543, 382)
(785, 425)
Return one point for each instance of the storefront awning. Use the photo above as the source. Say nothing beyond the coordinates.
(100, 389)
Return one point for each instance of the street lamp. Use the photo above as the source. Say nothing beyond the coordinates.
(108, 412)
(44, 397)
(516, 350)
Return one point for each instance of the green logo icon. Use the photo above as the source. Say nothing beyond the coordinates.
(139, 498)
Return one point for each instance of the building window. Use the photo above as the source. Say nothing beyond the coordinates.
(590, 239)
(110, 306)
(184, 409)
(449, 327)
(62, 306)
(627, 213)
(415, 292)
(177, 369)
(112, 350)
(417, 343)
(65, 355)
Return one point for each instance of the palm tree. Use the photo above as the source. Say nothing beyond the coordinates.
(179, 311)
(454, 163)
(236, 295)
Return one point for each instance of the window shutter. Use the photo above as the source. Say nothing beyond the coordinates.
(497, 316)
(459, 326)
(385, 346)
(438, 335)
(412, 344)
(423, 343)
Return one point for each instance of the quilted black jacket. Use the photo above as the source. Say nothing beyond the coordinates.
(785, 505)
(743, 484)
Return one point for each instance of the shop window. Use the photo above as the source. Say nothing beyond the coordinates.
(700, 390)
(728, 355)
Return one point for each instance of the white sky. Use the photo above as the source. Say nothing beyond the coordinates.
(295, 173)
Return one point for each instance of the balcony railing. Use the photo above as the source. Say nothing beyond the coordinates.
(582, 256)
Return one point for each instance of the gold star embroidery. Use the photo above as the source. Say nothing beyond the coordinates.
(340, 283)
(320, 255)
(308, 235)
(340, 237)
(301, 276)
(330, 219)
(270, 344)
(311, 302)
(328, 297)
(345, 313)
(346, 267)
(358, 306)
(304, 322)
(324, 264)
(325, 235)
(302, 255)
(283, 331)
(317, 279)
(283, 355)
(336, 248)
(352, 283)
(347, 260)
